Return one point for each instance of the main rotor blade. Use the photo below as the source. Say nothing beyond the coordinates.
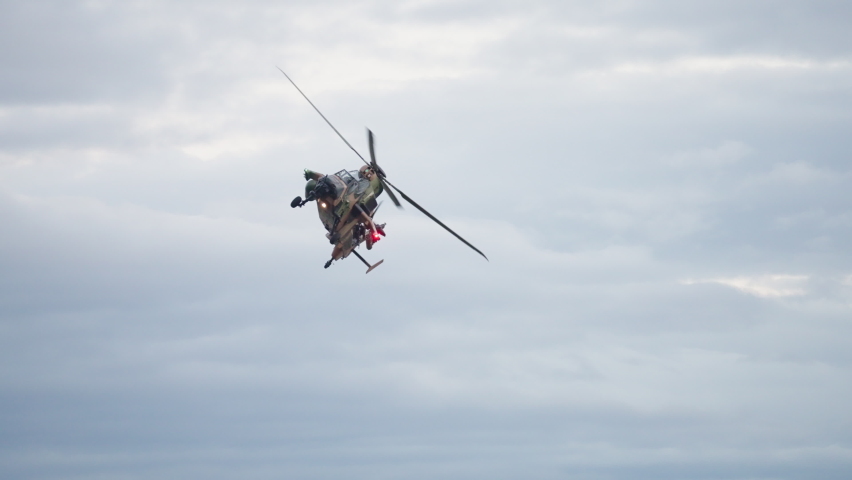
(379, 172)
(323, 116)
(373, 163)
(409, 200)
(372, 150)
(390, 191)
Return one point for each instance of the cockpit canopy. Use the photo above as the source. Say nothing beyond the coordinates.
(347, 177)
(331, 186)
(355, 183)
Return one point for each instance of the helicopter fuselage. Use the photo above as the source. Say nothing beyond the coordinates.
(351, 195)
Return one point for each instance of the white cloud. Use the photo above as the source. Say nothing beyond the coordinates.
(766, 286)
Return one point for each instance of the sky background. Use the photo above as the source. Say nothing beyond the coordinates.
(662, 189)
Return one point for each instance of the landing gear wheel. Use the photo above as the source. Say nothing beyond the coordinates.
(328, 263)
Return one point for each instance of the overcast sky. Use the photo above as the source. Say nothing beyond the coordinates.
(662, 189)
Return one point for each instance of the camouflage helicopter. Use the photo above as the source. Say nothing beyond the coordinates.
(347, 201)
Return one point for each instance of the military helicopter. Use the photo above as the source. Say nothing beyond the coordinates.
(347, 201)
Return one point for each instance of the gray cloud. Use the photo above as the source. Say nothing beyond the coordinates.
(660, 187)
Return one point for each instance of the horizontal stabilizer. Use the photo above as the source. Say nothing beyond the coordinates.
(367, 263)
(374, 266)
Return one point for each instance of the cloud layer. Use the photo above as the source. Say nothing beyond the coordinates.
(661, 189)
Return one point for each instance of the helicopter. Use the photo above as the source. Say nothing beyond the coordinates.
(348, 200)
